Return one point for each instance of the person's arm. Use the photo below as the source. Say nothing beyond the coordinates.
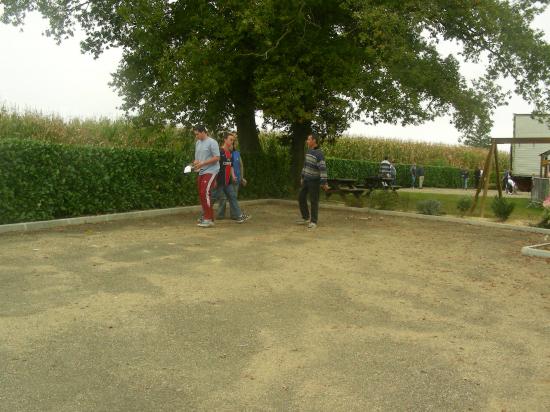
(321, 164)
(242, 166)
(243, 180)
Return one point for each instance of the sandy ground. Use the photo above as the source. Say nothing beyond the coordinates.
(363, 313)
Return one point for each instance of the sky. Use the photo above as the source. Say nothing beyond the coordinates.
(37, 74)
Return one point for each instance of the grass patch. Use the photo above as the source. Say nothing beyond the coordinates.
(407, 202)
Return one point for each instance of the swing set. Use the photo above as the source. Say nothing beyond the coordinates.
(493, 154)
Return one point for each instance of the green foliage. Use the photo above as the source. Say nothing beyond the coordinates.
(123, 133)
(91, 132)
(383, 199)
(464, 204)
(435, 176)
(40, 181)
(545, 221)
(429, 207)
(502, 208)
(310, 62)
(408, 152)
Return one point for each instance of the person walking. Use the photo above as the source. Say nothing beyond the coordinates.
(206, 163)
(413, 174)
(464, 174)
(226, 179)
(238, 168)
(314, 177)
(477, 176)
(393, 173)
(420, 175)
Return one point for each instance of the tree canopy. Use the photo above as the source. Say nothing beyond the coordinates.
(309, 64)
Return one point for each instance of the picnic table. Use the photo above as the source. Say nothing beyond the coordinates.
(378, 182)
(343, 186)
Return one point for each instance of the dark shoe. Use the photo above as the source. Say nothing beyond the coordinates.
(244, 217)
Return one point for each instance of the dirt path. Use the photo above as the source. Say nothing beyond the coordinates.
(364, 313)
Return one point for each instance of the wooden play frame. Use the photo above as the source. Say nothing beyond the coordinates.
(484, 182)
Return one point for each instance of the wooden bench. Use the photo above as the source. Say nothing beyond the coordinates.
(376, 182)
(344, 187)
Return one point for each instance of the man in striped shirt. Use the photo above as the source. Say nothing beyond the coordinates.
(314, 177)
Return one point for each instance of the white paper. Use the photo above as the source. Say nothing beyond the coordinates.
(187, 169)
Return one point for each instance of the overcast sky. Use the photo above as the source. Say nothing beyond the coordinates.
(37, 74)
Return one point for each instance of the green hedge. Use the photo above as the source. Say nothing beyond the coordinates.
(435, 176)
(41, 181)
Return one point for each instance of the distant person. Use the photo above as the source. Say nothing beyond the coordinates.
(420, 175)
(510, 186)
(314, 177)
(464, 174)
(384, 170)
(477, 176)
(226, 179)
(207, 156)
(393, 173)
(505, 177)
(238, 168)
(413, 174)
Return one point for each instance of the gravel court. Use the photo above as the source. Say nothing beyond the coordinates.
(366, 312)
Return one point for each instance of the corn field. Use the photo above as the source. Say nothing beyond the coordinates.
(123, 133)
(408, 152)
(101, 132)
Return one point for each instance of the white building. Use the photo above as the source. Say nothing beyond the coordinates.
(525, 157)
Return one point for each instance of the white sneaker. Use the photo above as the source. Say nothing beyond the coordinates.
(312, 225)
(302, 222)
(206, 223)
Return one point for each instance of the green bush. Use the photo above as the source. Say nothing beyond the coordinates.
(383, 199)
(429, 207)
(435, 176)
(464, 204)
(41, 181)
(502, 208)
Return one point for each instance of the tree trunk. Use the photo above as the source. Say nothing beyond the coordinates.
(298, 135)
(245, 117)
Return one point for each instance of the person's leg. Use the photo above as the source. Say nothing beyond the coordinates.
(302, 200)
(420, 181)
(221, 198)
(413, 180)
(234, 208)
(314, 189)
(206, 184)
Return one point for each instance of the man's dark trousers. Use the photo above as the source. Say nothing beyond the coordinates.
(312, 187)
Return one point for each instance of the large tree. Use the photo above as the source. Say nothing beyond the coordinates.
(309, 64)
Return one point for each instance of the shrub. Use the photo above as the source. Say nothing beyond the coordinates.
(435, 176)
(502, 208)
(545, 221)
(429, 207)
(41, 181)
(383, 199)
(463, 205)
